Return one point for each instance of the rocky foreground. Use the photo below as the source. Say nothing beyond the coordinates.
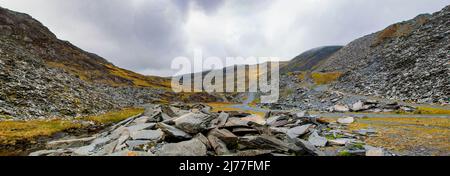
(181, 130)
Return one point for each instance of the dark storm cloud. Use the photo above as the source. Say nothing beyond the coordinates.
(145, 35)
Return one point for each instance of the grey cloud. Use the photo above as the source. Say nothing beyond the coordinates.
(208, 6)
(145, 35)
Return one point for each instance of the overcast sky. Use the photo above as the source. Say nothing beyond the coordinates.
(145, 35)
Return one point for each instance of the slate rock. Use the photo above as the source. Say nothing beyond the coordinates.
(173, 132)
(225, 135)
(154, 135)
(70, 143)
(346, 120)
(193, 122)
(193, 147)
(282, 130)
(142, 119)
(142, 126)
(268, 143)
(218, 145)
(131, 153)
(203, 139)
(340, 108)
(222, 119)
(236, 122)
(298, 131)
(84, 151)
(134, 143)
(253, 152)
(317, 140)
(341, 141)
(358, 106)
(308, 147)
(272, 120)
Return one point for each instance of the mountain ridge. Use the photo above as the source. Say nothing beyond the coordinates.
(310, 59)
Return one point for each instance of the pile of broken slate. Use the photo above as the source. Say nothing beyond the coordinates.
(194, 130)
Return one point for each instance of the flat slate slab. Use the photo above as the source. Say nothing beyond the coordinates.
(143, 126)
(298, 131)
(153, 135)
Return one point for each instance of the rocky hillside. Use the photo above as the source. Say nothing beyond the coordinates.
(406, 61)
(310, 59)
(30, 34)
(42, 76)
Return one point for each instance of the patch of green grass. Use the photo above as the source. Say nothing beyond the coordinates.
(331, 137)
(114, 117)
(358, 146)
(6, 117)
(344, 153)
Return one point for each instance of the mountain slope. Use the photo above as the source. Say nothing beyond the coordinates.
(406, 61)
(44, 77)
(39, 40)
(310, 59)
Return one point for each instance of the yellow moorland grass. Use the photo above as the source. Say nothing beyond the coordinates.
(325, 78)
(301, 75)
(399, 30)
(419, 110)
(12, 131)
(408, 134)
(115, 116)
(430, 110)
(136, 79)
(82, 75)
(393, 31)
(422, 110)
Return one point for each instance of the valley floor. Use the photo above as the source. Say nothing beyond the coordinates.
(399, 134)
(402, 134)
